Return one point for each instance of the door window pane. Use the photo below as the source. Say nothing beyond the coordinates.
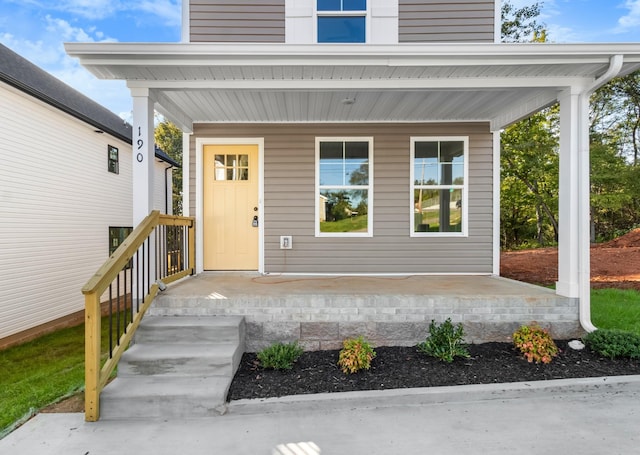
(231, 167)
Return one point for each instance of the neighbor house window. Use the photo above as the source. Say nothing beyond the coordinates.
(117, 235)
(439, 186)
(344, 186)
(342, 21)
(112, 159)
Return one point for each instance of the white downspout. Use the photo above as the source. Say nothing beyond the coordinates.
(584, 207)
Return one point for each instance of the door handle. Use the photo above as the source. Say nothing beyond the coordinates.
(254, 223)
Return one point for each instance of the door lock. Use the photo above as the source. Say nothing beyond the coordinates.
(254, 223)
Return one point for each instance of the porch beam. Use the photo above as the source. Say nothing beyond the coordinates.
(458, 84)
(522, 109)
(172, 111)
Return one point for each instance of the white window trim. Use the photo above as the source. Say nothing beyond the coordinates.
(367, 21)
(465, 187)
(369, 232)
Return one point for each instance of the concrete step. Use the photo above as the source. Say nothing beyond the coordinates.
(220, 359)
(157, 397)
(177, 367)
(190, 329)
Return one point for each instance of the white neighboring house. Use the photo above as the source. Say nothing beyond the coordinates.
(65, 189)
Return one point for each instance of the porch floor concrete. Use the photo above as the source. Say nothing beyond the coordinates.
(229, 285)
(322, 311)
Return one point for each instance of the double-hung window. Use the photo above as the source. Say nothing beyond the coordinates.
(112, 159)
(439, 186)
(344, 187)
(342, 21)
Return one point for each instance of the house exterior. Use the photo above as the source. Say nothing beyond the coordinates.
(65, 196)
(358, 137)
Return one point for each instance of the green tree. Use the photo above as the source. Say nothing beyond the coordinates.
(612, 201)
(169, 138)
(520, 24)
(529, 156)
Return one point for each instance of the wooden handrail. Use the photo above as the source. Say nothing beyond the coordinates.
(96, 377)
(116, 262)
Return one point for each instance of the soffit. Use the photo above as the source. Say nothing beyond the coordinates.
(284, 83)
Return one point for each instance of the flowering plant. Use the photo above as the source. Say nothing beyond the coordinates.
(535, 344)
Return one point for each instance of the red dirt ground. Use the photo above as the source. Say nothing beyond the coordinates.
(615, 264)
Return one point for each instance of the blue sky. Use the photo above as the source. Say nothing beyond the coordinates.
(37, 29)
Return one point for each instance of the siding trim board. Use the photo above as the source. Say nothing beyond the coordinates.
(288, 196)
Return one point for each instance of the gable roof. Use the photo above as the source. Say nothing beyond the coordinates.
(164, 156)
(29, 78)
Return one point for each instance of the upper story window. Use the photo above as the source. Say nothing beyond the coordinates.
(439, 186)
(342, 21)
(112, 160)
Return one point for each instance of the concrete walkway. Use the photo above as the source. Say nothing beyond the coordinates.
(585, 416)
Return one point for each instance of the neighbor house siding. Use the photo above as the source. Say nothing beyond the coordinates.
(162, 187)
(289, 201)
(442, 21)
(254, 21)
(57, 201)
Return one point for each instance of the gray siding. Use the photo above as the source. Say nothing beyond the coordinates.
(446, 21)
(253, 21)
(290, 197)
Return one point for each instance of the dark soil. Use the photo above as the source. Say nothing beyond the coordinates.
(406, 367)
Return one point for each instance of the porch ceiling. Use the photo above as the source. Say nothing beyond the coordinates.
(500, 83)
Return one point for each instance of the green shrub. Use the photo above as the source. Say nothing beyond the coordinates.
(280, 356)
(535, 344)
(445, 341)
(614, 343)
(355, 355)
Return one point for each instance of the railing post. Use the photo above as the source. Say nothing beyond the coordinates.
(192, 247)
(92, 332)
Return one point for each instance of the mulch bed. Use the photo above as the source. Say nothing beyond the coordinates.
(405, 367)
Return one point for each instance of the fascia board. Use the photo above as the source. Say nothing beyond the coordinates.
(97, 56)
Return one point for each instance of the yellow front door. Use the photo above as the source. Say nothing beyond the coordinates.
(230, 231)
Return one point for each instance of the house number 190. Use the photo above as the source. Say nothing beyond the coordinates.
(140, 142)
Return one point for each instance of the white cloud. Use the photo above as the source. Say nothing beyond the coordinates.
(65, 31)
(90, 9)
(170, 11)
(632, 18)
(48, 53)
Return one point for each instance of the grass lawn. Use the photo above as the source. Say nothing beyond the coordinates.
(351, 224)
(616, 309)
(40, 372)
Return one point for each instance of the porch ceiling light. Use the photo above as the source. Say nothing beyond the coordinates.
(348, 101)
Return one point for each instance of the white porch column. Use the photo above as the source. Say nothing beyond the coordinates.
(143, 154)
(186, 157)
(569, 195)
(143, 148)
(574, 268)
(496, 201)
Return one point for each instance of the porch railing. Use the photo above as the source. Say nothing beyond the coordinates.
(124, 287)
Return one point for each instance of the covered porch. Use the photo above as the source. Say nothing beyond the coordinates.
(321, 311)
(196, 84)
